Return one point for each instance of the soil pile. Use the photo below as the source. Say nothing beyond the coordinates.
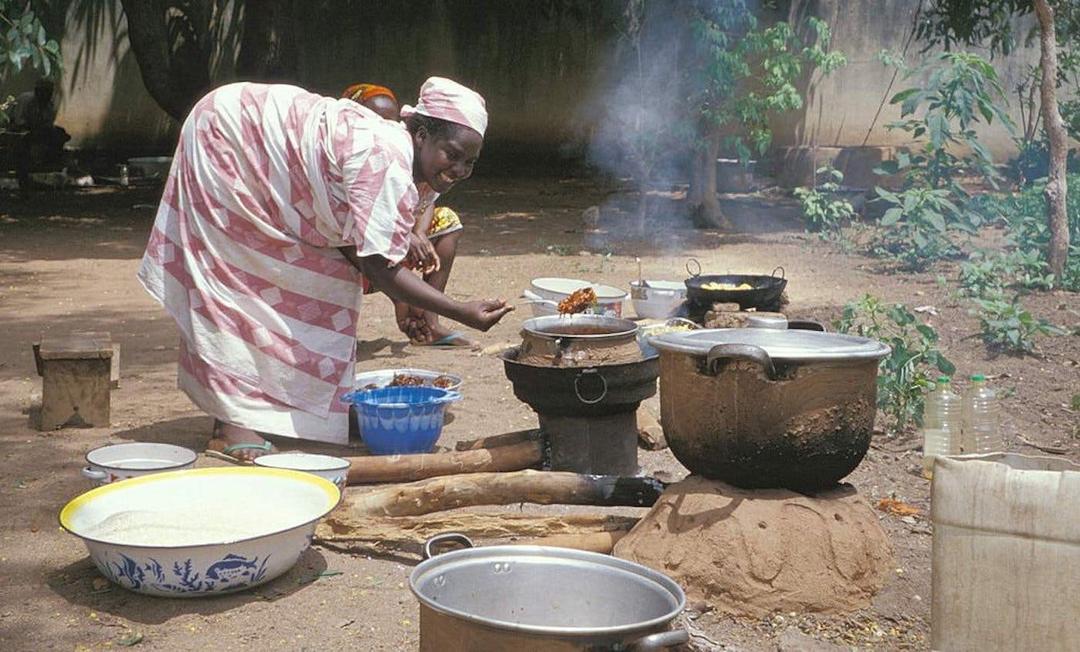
(755, 552)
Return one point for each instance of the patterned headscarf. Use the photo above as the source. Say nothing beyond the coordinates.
(364, 92)
(446, 99)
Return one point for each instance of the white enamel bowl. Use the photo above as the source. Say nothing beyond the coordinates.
(546, 292)
(121, 461)
(657, 299)
(266, 519)
(334, 469)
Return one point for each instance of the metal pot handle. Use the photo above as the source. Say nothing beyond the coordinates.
(603, 391)
(94, 474)
(807, 325)
(782, 273)
(696, 264)
(661, 641)
(446, 537)
(733, 351)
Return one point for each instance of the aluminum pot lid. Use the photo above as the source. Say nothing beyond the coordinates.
(781, 345)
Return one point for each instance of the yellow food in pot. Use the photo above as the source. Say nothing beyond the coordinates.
(714, 285)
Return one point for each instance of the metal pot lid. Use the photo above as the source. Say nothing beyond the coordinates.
(548, 327)
(781, 345)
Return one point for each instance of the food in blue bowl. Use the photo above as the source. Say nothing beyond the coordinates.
(401, 420)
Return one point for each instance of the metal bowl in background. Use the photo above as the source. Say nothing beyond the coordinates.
(541, 599)
(656, 299)
(268, 519)
(121, 461)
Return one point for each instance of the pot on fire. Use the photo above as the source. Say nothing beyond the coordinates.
(768, 408)
(578, 341)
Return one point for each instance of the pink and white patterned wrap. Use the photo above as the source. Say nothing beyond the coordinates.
(448, 100)
(266, 183)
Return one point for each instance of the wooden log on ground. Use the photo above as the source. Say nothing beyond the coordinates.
(495, 441)
(601, 542)
(539, 487)
(405, 468)
(343, 527)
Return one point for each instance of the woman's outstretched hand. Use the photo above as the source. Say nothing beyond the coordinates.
(482, 315)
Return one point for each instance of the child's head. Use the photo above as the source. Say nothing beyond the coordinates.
(379, 99)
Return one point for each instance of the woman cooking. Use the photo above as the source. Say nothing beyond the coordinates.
(278, 203)
(440, 228)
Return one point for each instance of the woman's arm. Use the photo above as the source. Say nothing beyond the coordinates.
(402, 285)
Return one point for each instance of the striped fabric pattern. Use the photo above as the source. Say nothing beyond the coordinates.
(266, 183)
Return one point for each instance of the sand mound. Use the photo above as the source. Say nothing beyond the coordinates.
(754, 552)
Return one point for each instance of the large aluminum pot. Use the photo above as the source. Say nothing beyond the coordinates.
(541, 599)
(578, 341)
(768, 408)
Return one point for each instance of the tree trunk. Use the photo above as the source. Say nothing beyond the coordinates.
(1056, 186)
(454, 491)
(406, 468)
(175, 71)
(704, 204)
(268, 51)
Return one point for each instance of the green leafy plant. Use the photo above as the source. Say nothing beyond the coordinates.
(826, 212)
(941, 115)
(1005, 325)
(915, 360)
(917, 225)
(23, 40)
(1025, 218)
(986, 272)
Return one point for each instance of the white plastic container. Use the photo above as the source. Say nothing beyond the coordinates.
(547, 292)
(981, 419)
(941, 424)
(1006, 553)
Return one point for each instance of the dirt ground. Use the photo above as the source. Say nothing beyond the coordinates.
(68, 262)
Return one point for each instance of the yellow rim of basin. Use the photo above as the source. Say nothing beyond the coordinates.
(333, 494)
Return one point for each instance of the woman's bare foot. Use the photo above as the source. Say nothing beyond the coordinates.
(241, 444)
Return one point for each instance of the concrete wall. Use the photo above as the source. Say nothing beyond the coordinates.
(534, 60)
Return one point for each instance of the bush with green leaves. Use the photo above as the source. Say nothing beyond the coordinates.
(907, 373)
(1005, 325)
(1025, 217)
(919, 224)
(989, 272)
(825, 211)
(23, 40)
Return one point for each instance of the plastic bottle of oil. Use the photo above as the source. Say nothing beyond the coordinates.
(981, 418)
(941, 423)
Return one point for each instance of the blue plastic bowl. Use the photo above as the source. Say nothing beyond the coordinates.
(398, 420)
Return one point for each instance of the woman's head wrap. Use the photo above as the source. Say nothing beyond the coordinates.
(448, 100)
(364, 92)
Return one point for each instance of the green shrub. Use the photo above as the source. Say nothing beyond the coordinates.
(908, 371)
(1025, 217)
(1006, 326)
(826, 213)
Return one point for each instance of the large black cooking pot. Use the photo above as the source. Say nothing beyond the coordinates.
(582, 391)
(758, 407)
(764, 292)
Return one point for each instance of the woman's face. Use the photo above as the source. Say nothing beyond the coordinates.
(444, 160)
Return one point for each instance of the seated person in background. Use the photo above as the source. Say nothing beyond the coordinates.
(440, 228)
(41, 142)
